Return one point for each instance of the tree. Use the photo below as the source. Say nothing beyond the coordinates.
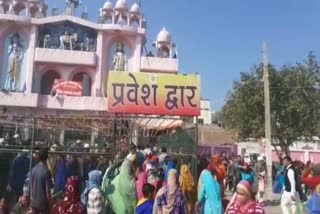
(294, 101)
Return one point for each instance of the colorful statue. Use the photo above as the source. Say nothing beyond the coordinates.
(68, 41)
(46, 41)
(119, 62)
(76, 3)
(15, 52)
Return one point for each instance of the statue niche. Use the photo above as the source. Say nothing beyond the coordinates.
(15, 57)
(119, 62)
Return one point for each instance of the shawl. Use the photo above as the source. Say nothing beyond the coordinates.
(210, 193)
(142, 179)
(186, 179)
(71, 203)
(121, 194)
(170, 199)
(170, 165)
(95, 179)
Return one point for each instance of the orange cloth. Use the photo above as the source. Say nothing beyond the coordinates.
(220, 168)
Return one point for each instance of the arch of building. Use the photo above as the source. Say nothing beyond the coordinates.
(86, 80)
(47, 81)
(108, 46)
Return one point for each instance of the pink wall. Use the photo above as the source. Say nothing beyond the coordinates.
(301, 155)
(212, 149)
(295, 155)
(314, 157)
(298, 155)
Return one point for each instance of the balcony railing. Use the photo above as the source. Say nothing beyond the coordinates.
(65, 57)
(18, 99)
(53, 102)
(156, 64)
(73, 103)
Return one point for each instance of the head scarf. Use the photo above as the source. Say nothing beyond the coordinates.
(171, 190)
(216, 159)
(170, 165)
(212, 191)
(313, 203)
(71, 203)
(126, 188)
(95, 179)
(127, 184)
(186, 179)
(170, 198)
(211, 167)
(247, 187)
(218, 169)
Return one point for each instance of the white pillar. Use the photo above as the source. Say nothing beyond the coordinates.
(93, 138)
(100, 67)
(61, 137)
(135, 62)
(30, 58)
(135, 134)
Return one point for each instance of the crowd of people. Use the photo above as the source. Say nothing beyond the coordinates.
(147, 181)
(299, 185)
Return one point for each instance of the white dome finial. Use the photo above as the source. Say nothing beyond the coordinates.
(121, 5)
(108, 5)
(135, 8)
(164, 36)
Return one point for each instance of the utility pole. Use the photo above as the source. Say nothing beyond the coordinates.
(268, 151)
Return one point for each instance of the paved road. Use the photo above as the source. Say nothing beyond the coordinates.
(273, 210)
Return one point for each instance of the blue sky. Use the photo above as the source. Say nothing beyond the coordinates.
(221, 38)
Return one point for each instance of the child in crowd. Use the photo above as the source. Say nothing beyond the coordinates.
(145, 205)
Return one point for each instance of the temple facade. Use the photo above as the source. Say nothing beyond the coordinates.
(61, 61)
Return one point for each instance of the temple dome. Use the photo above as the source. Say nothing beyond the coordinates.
(121, 5)
(135, 8)
(164, 36)
(108, 5)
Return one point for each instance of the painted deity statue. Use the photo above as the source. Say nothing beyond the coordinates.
(68, 40)
(74, 2)
(15, 52)
(119, 62)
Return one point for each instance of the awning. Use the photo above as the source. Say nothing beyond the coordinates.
(158, 123)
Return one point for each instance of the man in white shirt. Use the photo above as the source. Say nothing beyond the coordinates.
(290, 198)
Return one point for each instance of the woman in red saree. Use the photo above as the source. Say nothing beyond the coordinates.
(71, 203)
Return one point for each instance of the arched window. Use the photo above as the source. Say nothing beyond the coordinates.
(85, 79)
(47, 81)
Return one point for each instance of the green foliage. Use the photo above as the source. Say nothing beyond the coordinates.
(294, 102)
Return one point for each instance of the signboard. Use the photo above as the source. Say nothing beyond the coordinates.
(157, 94)
(69, 88)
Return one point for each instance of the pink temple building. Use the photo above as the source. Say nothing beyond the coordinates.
(58, 63)
(38, 49)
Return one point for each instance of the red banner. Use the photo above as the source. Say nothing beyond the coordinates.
(69, 88)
